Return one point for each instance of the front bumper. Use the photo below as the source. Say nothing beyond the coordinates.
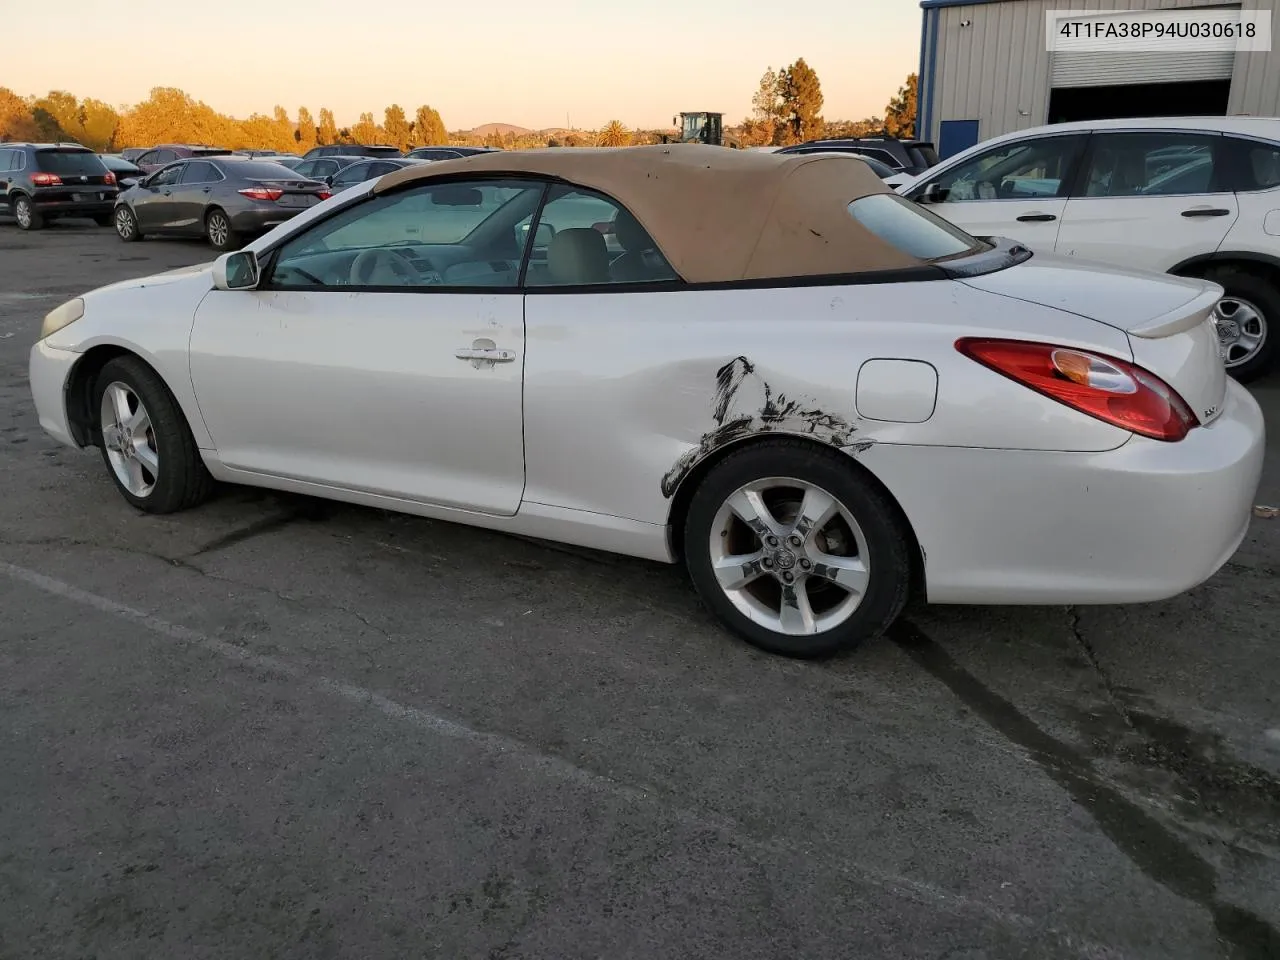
(1146, 521)
(49, 370)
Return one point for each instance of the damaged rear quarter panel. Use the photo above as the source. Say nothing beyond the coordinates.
(626, 393)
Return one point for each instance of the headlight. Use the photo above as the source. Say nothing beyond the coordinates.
(62, 316)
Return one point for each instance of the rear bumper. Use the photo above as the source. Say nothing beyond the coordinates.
(64, 200)
(1146, 521)
(49, 370)
(261, 220)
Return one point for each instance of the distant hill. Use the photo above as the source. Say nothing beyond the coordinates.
(502, 129)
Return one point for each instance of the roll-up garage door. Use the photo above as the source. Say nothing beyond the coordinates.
(1096, 68)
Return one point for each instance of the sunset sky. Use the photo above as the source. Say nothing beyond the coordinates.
(506, 61)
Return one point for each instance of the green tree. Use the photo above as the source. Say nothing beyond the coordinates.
(614, 134)
(900, 114)
(327, 131)
(428, 128)
(801, 94)
(397, 127)
(365, 131)
(306, 133)
(767, 110)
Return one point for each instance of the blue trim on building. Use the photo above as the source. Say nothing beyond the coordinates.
(934, 4)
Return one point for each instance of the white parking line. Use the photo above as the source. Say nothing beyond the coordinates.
(531, 758)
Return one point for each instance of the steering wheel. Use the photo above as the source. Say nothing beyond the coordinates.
(382, 268)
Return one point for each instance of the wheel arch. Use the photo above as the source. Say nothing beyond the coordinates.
(688, 484)
(82, 411)
(1261, 264)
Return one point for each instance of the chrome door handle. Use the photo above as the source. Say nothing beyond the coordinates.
(493, 355)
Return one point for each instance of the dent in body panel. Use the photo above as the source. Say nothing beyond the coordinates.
(770, 413)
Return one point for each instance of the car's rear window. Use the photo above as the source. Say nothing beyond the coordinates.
(69, 161)
(210, 152)
(261, 170)
(914, 231)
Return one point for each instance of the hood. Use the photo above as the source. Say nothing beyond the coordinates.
(159, 279)
(1142, 304)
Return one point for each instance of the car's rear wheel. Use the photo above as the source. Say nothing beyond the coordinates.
(1243, 317)
(145, 441)
(796, 551)
(25, 213)
(126, 224)
(217, 227)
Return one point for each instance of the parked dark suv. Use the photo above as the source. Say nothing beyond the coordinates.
(40, 182)
(901, 156)
(351, 150)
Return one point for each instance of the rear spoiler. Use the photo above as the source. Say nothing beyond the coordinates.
(1180, 319)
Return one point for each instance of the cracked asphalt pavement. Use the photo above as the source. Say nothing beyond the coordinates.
(281, 728)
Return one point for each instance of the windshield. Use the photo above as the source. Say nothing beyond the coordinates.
(69, 161)
(912, 230)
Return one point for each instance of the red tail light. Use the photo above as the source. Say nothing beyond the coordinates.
(323, 194)
(1114, 391)
(46, 180)
(262, 193)
(109, 178)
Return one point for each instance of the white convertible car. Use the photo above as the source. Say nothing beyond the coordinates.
(816, 395)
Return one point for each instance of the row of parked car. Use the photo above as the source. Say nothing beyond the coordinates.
(187, 189)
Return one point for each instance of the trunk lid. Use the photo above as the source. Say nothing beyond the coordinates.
(299, 192)
(1170, 321)
(74, 167)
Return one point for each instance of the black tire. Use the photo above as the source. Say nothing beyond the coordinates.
(887, 539)
(104, 220)
(182, 481)
(126, 224)
(217, 227)
(25, 213)
(1245, 285)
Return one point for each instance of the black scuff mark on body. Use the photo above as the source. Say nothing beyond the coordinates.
(777, 413)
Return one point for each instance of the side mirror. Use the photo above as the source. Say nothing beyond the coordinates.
(546, 233)
(933, 193)
(236, 271)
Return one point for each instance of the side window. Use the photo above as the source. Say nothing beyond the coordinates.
(6, 160)
(200, 171)
(583, 238)
(151, 156)
(168, 176)
(350, 176)
(884, 156)
(1153, 165)
(439, 235)
(1257, 164)
(1021, 170)
(165, 156)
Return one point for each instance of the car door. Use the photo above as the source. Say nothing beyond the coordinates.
(1016, 189)
(6, 174)
(154, 208)
(369, 362)
(191, 195)
(1149, 199)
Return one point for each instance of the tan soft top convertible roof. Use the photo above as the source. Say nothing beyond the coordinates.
(717, 214)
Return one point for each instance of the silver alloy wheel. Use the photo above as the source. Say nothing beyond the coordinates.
(1242, 330)
(130, 439)
(22, 212)
(219, 229)
(124, 222)
(789, 556)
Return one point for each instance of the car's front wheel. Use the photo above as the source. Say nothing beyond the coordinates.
(25, 213)
(127, 224)
(1243, 317)
(145, 441)
(795, 550)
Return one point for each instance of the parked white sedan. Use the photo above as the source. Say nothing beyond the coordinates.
(815, 394)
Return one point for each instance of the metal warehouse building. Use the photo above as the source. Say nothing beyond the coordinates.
(985, 70)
